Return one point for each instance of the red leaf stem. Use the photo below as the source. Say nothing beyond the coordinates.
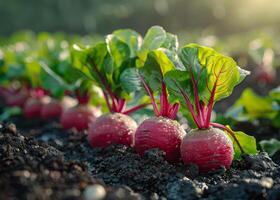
(107, 101)
(189, 105)
(173, 110)
(133, 109)
(150, 93)
(197, 104)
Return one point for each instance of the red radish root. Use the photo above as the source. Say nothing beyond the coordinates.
(208, 148)
(16, 98)
(113, 128)
(78, 117)
(32, 107)
(162, 133)
(51, 109)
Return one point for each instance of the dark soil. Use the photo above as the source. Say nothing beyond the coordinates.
(46, 162)
(261, 131)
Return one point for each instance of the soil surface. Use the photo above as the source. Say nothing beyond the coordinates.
(42, 161)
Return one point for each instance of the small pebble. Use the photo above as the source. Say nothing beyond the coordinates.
(154, 196)
(94, 192)
(267, 182)
(11, 128)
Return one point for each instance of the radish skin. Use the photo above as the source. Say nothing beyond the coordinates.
(17, 98)
(32, 107)
(162, 133)
(51, 109)
(78, 117)
(113, 128)
(209, 149)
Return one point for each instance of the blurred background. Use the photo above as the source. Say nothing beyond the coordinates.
(221, 17)
(247, 30)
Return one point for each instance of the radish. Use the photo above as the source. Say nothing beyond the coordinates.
(207, 77)
(78, 117)
(112, 128)
(209, 148)
(112, 64)
(17, 98)
(162, 131)
(51, 108)
(265, 73)
(32, 107)
(66, 81)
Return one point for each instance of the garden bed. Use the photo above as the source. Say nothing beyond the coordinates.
(42, 161)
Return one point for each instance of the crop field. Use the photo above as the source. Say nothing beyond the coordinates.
(136, 113)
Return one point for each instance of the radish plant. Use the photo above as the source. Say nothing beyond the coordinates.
(52, 107)
(105, 62)
(61, 77)
(58, 82)
(113, 66)
(162, 131)
(15, 76)
(252, 107)
(33, 105)
(81, 115)
(206, 77)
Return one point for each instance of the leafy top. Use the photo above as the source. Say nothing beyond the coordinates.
(207, 76)
(113, 63)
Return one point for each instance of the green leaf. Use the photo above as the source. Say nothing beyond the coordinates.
(130, 80)
(131, 38)
(94, 59)
(118, 49)
(276, 121)
(212, 71)
(236, 113)
(247, 142)
(110, 63)
(270, 146)
(78, 55)
(251, 106)
(9, 112)
(96, 54)
(174, 77)
(275, 94)
(15, 71)
(243, 73)
(156, 67)
(171, 42)
(33, 71)
(154, 38)
(52, 82)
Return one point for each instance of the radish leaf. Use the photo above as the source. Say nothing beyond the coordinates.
(154, 38)
(248, 143)
(212, 72)
(156, 67)
(270, 146)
